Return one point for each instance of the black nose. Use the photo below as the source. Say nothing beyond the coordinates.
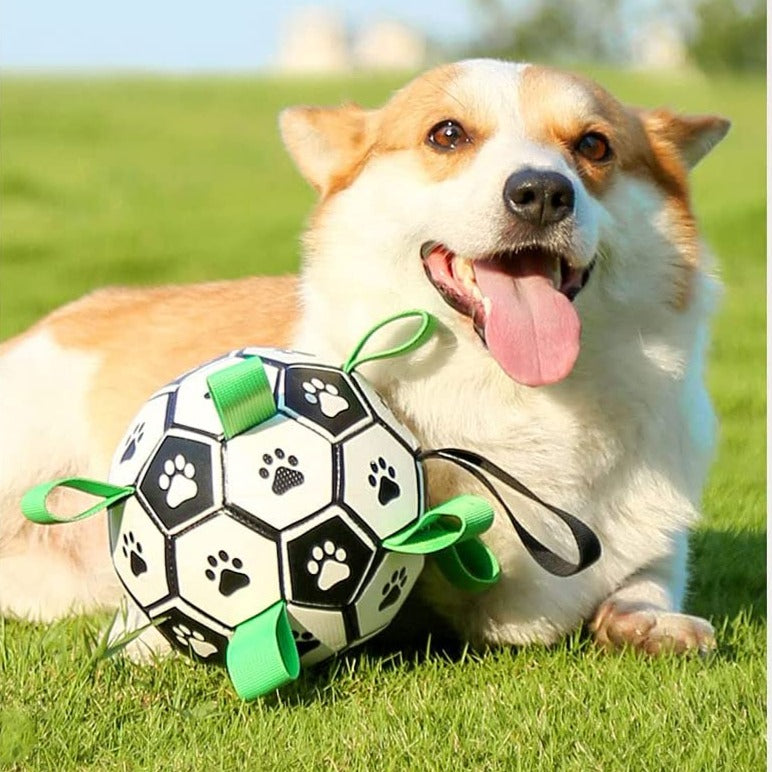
(539, 197)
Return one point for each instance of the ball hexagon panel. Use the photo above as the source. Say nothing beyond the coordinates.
(194, 407)
(183, 481)
(383, 412)
(228, 571)
(318, 633)
(326, 559)
(137, 444)
(139, 552)
(386, 591)
(382, 480)
(324, 399)
(190, 631)
(279, 471)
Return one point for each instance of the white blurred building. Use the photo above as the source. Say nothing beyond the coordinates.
(389, 45)
(659, 46)
(315, 41)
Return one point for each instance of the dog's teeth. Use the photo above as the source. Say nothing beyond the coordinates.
(464, 273)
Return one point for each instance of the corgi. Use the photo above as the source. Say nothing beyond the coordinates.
(549, 229)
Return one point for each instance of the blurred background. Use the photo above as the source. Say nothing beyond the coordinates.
(296, 36)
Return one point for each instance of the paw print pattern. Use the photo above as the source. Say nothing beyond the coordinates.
(132, 550)
(383, 478)
(326, 395)
(305, 642)
(328, 564)
(137, 433)
(285, 477)
(228, 578)
(192, 639)
(177, 480)
(392, 590)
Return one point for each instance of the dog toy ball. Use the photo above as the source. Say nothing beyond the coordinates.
(267, 509)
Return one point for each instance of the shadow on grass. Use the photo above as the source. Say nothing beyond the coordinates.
(415, 637)
(728, 574)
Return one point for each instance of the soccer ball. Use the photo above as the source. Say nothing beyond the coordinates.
(294, 509)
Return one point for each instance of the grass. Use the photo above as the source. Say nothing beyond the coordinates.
(139, 181)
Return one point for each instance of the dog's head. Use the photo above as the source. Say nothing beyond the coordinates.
(512, 200)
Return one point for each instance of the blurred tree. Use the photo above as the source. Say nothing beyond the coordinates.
(553, 31)
(719, 34)
(730, 35)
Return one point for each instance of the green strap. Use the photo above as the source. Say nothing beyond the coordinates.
(262, 655)
(422, 334)
(242, 396)
(445, 525)
(450, 531)
(469, 565)
(33, 503)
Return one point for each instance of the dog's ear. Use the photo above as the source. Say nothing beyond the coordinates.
(328, 144)
(693, 136)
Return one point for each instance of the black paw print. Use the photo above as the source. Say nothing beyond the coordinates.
(286, 476)
(230, 579)
(132, 549)
(137, 433)
(305, 642)
(383, 477)
(393, 589)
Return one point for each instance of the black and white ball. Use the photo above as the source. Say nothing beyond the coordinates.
(295, 508)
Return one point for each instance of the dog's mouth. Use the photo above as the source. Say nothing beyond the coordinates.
(521, 303)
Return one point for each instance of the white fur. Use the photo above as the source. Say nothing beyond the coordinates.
(44, 425)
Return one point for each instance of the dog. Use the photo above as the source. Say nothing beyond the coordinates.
(548, 227)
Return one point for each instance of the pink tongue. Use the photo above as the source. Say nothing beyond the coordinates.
(531, 328)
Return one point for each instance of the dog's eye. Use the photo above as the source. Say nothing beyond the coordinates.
(594, 147)
(447, 135)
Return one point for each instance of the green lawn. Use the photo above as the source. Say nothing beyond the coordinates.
(144, 181)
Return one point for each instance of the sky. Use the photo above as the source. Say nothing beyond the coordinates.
(174, 35)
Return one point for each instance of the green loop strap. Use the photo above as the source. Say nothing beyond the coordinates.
(450, 530)
(469, 565)
(422, 334)
(262, 655)
(242, 396)
(456, 520)
(33, 503)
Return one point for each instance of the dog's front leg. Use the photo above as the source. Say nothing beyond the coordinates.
(644, 612)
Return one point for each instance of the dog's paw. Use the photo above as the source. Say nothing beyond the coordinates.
(652, 631)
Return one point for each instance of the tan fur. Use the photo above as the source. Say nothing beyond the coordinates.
(333, 143)
(404, 123)
(189, 324)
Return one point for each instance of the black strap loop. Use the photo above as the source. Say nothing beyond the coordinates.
(586, 540)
